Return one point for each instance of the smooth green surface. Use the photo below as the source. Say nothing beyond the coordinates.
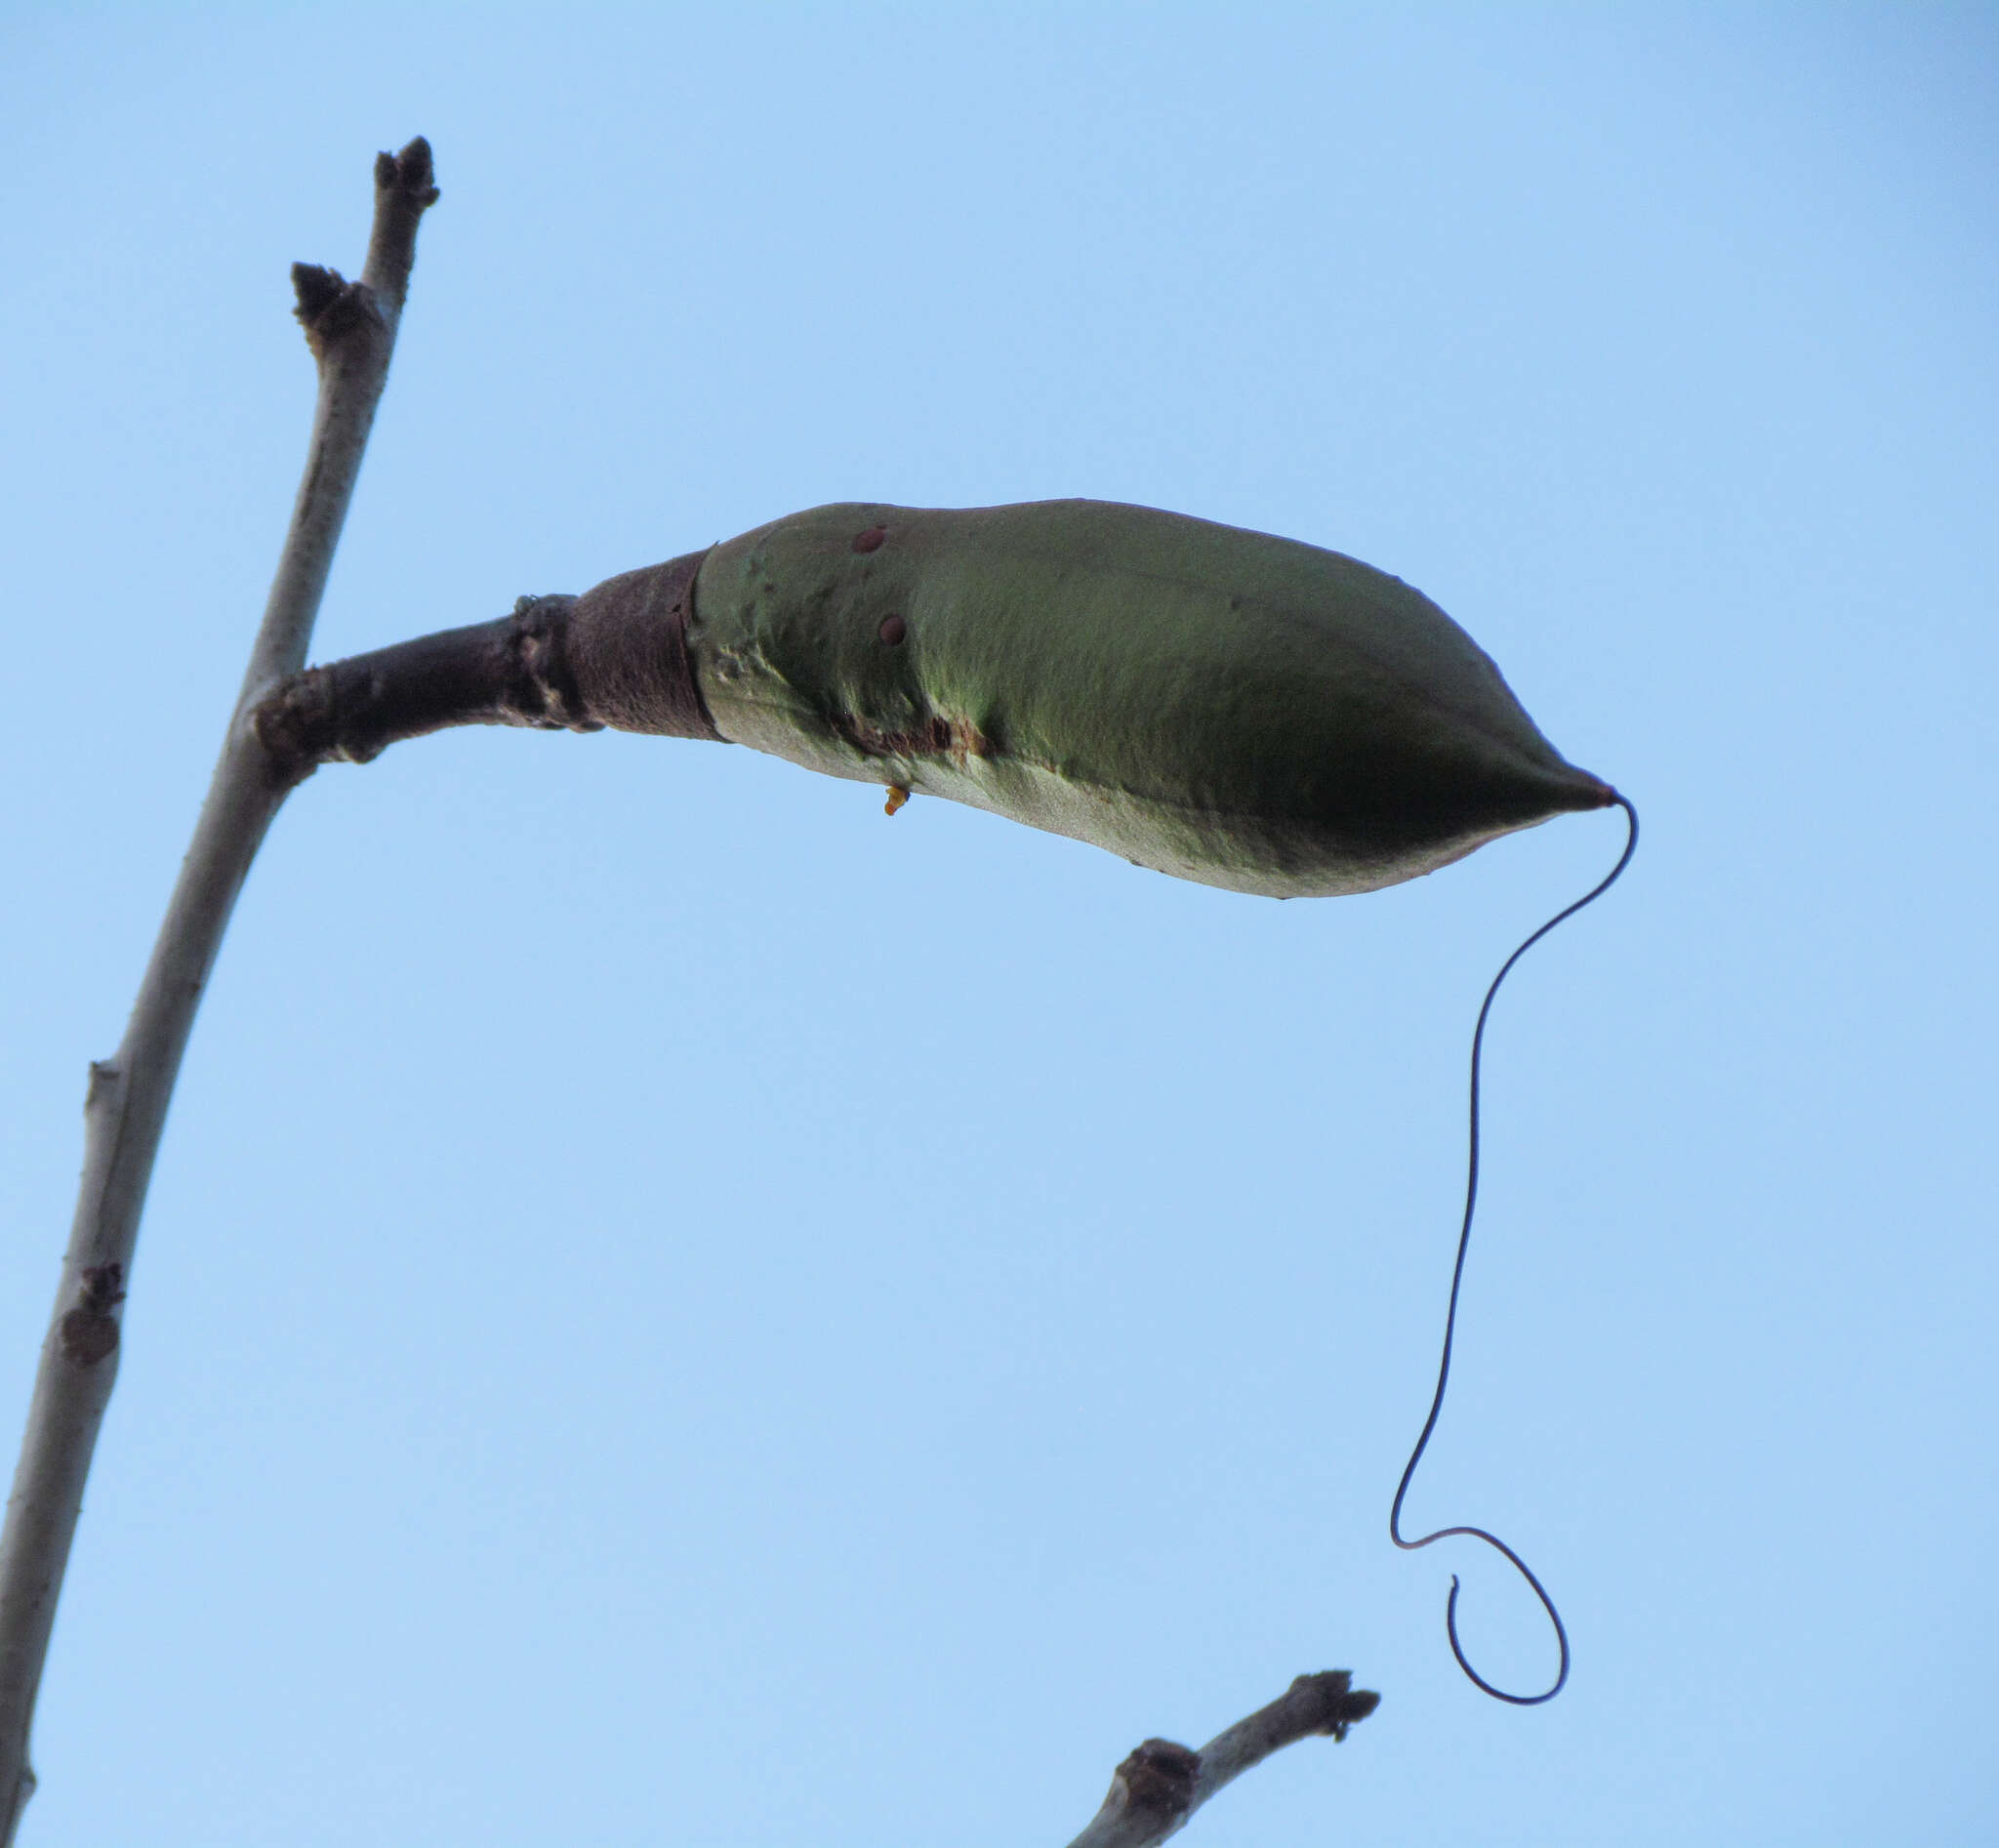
(1222, 705)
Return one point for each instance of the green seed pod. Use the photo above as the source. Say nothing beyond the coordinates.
(1224, 705)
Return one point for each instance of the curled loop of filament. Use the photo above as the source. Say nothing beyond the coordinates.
(1471, 1199)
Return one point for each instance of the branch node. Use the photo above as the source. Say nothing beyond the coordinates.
(1158, 1778)
(89, 1331)
(330, 308)
(292, 723)
(409, 173)
(1345, 1705)
(405, 187)
(103, 1286)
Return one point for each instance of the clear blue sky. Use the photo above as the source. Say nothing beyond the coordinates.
(675, 1308)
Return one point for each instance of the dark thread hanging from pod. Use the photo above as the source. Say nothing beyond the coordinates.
(1464, 1236)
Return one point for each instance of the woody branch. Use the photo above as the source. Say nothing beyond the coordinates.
(1161, 1784)
(351, 328)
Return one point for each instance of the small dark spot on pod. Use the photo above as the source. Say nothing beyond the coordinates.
(893, 630)
(870, 540)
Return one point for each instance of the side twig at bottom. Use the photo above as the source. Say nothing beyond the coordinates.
(1161, 1784)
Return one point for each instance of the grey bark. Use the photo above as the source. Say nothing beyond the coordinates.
(351, 328)
(1161, 1784)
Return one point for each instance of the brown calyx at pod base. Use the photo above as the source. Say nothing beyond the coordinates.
(1224, 705)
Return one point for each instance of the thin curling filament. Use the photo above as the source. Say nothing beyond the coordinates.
(1471, 1201)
